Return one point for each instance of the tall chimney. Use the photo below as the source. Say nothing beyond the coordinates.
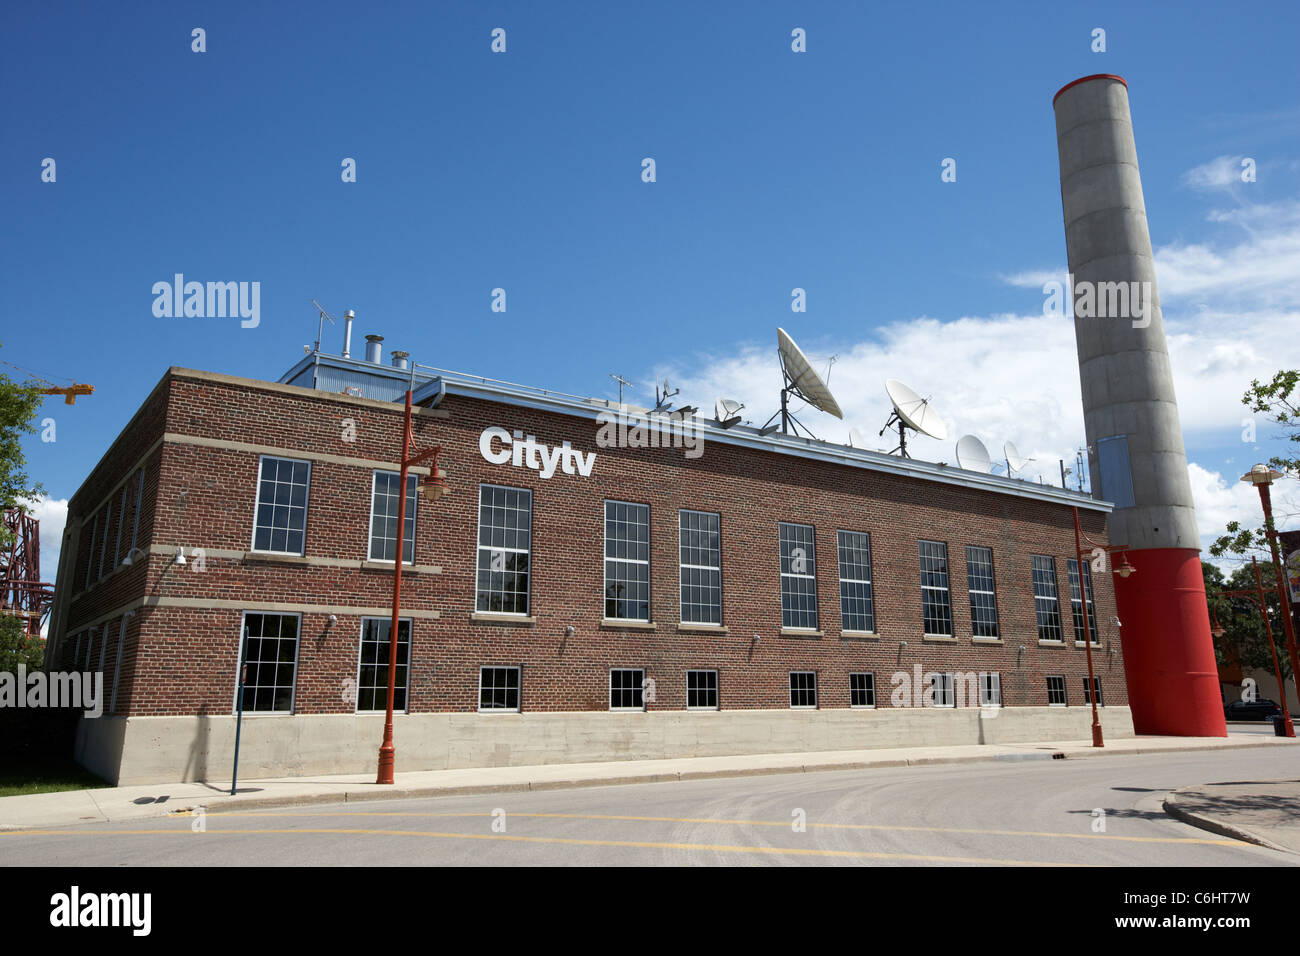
(348, 316)
(375, 349)
(1131, 415)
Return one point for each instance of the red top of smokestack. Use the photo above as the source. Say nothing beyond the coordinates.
(1085, 79)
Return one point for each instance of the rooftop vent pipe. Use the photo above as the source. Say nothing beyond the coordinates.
(348, 316)
(375, 349)
(399, 359)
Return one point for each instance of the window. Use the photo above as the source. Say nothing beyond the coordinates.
(90, 554)
(1056, 690)
(1076, 600)
(803, 689)
(281, 514)
(270, 659)
(117, 666)
(627, 561)
(121, 523)
(372, 671)
(983, 599)
(505, 518)
(1046, 604)
(626, 689)
(862, 690)
(798, 576)
(1087, 698)
(943, 691)
(139, 502)
(103, 538)
(498, 688)
(936, 606)
(383, 517)
(991, 690)
(701, 690)
(857, 605)
(700, 542)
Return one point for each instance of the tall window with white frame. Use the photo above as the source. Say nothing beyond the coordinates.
(90, 552)
(857, 603)
(936, 602)
(626, 688)
(1077, 598)
(372, 669)
(983, 596)
(798, 552)
(1047, 605)
(627, 561)
(280, 516)
(383, 517)
(505, 518)
(103, 545)
(700, 543)
(271, 656)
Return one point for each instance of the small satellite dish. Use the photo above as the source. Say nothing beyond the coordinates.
(1014, 461)
(727, 411)
(802, 381)
(972, 455)
(856, 440)
(914, 412)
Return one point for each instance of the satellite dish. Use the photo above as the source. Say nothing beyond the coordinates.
(856, 440)
(914, 412)
(727, 411)
(802, 381)
(972, 455)
(1014, 461)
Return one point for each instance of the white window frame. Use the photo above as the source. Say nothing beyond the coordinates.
(946, 589)
(605, 560)
(239, 653)
(413, 506)
(799, 575)
(717, 689)
(1055, 598)
(257, 506)
(641, 687)
(103, 545)
(816, 696)
(1087, 693)
(1065, 690)
(519, 689)
(871, 591)
(478, 536)
(991, 689)
(872, 676)
(139, 502)
(90, 555)
(681, 584)
(945, 689)
(121, 522)
(1086, 592)
(992, 593)
(361, 639)
(117, 666)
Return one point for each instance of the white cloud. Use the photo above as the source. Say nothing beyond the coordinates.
(1220, 500)
(1219, 173)
(52, 513)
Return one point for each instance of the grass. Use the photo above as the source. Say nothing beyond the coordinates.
(26, 774)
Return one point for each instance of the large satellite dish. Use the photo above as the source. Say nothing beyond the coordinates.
(802, 381)
(972, 455)
(856, 440)
(1014, 460)
(914, 412)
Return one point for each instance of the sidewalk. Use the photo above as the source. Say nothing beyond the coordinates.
(1262, 812)
(114, 805)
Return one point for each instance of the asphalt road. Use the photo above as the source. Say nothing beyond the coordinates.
(1034, 812)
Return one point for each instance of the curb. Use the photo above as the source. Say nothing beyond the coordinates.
(1191, 818)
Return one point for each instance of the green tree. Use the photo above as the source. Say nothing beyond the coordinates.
(16, 647)
(1280, 401)
(1244, 639)
(19, 405)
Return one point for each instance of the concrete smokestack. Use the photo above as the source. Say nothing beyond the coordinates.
(1130, 413)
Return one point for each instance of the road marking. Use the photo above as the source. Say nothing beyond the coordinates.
(741, 823)
(566, 841)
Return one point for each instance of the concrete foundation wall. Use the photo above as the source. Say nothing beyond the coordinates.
(131, 750)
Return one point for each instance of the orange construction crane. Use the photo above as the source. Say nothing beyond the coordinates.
(70, 393)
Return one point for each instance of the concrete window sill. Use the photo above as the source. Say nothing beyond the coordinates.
(487, 617)
(407, 568)
(987, 640)
(801, 632)
(938, 639)
(860, 635)
(703, 628)
(613, 623)
(1095, 645)
(1043, 643)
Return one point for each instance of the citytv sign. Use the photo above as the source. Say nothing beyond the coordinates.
(500, 447)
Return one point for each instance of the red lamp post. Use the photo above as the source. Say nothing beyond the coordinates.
(434, 489)
(1258, 597)
(1262, 477)
(1123, 570)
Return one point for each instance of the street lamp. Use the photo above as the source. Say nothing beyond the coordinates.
(1257, 596)
(1262, 476)
(1124, 570)
(431, 490)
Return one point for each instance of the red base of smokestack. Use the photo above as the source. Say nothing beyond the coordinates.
(1173, 681)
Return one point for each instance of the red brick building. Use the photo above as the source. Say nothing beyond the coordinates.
(722, 591)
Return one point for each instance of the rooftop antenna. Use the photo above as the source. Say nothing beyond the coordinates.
(621, 383)
(661, 397)
(914, 412)
(1015, 461)
(802, 381)
(727, 411)
(856, 440)
(972, 455)
(320, 326)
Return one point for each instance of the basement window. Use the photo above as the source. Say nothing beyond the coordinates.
(991, 690)
(1056, 690)
(372, 666)
(943, 692)
(626, 689)
(498, 688)
(862, 690)
(701, 690)
(803, 690)
(1087, 697)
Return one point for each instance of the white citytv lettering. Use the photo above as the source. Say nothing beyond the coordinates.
(525, 451)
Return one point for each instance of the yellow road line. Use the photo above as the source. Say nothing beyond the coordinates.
(740, 823)
(630, 844)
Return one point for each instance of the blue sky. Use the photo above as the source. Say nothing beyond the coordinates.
(522, 171)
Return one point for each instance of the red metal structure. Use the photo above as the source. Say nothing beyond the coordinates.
(22, 592)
